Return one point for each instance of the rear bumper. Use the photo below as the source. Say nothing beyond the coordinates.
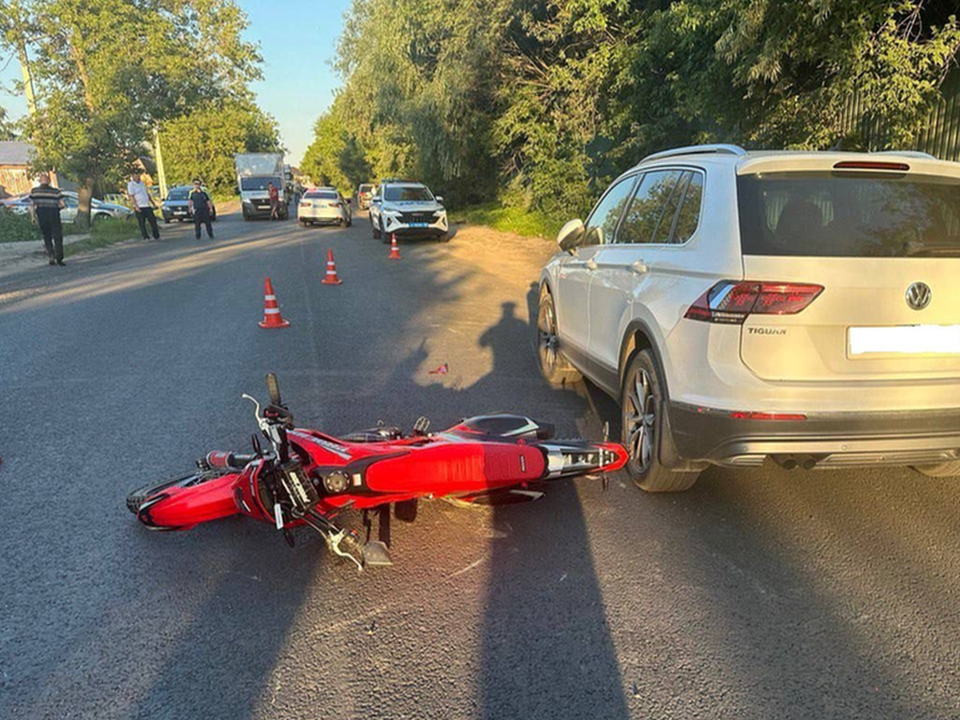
(823, 440)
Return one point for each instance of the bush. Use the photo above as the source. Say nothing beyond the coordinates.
(16, 228)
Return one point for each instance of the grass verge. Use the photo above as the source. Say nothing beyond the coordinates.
(104, 233)
(529, 223)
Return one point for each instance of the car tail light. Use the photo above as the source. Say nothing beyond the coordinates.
(732, 302)
(305, 203)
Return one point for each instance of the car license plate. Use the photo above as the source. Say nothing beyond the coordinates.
(905, 340)
(418, 224)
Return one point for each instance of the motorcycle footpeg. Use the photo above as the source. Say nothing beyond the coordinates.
(376, 554)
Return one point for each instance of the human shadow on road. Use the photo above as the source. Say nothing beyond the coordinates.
(546, 645)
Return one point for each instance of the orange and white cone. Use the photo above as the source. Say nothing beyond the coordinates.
(331, 277)
(394, 248)
(271, 310)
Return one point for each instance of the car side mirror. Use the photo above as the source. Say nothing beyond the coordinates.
(570, 235)
(439, 198)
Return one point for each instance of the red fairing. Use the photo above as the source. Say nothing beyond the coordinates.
(180, 508)
(456, 468)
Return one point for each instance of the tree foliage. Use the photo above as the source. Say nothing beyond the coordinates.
(542, 102)
(107, 72)
(202, 143)
(7, 129)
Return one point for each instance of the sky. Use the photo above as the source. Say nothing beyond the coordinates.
(298, 41)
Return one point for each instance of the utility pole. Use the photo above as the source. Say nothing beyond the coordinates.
(27, 78)
(158, 156)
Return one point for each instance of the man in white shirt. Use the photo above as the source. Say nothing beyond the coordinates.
(143, 206)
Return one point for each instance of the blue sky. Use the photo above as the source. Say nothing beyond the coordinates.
(297, 39)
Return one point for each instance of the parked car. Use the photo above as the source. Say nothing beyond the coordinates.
(407, 208)
(324, 205)
(799, 307)
(176, 205)
(364, 195)
(68, 214)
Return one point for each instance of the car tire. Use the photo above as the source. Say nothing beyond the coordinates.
(384, 236)
(555, 368)
(375, 230)
(951, 468)
(166, 221)
(642, 422)
(348, 223)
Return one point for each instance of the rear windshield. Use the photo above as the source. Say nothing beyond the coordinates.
(259, 183)
(416, 192)
(321, 195)
(833, 214)
(178, 194)
(366, 188)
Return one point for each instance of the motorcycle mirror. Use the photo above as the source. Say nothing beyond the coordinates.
(274, 388)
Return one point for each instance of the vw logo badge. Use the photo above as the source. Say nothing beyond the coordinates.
(918, 295)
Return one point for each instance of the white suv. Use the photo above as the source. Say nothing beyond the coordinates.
(802, 307)
(407, 208)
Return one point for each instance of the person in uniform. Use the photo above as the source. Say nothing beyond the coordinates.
(201, 207)
(45, 204)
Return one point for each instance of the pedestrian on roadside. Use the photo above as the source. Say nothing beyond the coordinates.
(45, 204)
(274, 194)
(201, 207)
(143, 206)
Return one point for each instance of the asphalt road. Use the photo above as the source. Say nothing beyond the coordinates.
(758, 594)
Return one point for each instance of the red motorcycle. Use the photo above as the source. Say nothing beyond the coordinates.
(305, 478)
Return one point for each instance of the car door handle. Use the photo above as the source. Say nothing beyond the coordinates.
(639, 267)
(590, 264)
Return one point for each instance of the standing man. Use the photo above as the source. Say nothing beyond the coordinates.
(143, 206)
(274, 201)
(201, 207)
(45, 204)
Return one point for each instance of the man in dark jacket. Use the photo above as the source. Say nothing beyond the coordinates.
(201, 207)
(45, 203)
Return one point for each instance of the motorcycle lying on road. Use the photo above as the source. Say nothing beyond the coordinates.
(305, 478)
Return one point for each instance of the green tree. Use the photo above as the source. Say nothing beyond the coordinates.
(202, 143)
(336, 157)
(542, 102)
(107, 71)
(7, 129)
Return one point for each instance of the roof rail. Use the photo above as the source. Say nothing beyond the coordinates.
(906, 153)
(717, 149)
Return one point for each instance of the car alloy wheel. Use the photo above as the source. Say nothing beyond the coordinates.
(548, 344)
(640, 419)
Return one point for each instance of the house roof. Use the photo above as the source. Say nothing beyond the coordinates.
(14, 152)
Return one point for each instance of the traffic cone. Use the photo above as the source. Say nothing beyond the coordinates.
(394, 248)
(271, 311)
(331, 277)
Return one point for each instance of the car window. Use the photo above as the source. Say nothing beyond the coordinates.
(70, 201)
(408, 193)
(603, 220)
(178, 194)
(648, 206)
(837, 214)
(321, 195)
(688, 218)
